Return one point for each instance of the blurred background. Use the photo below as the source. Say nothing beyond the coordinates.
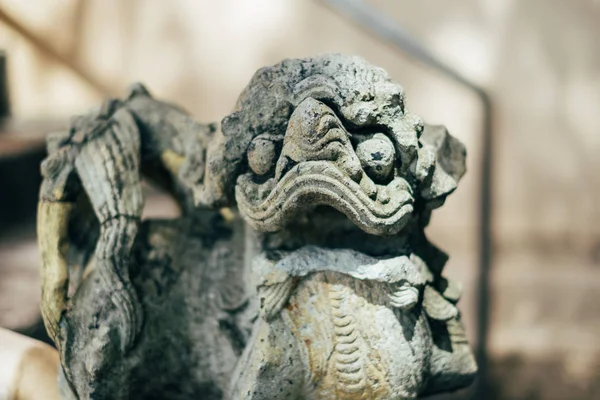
(533, 310)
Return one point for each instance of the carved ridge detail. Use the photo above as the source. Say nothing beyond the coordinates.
(350, 374)
(358, 373)
(274, 297)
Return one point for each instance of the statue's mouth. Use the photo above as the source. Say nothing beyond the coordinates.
(319, 163)
(270, 206)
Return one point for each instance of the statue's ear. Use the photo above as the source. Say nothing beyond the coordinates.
(206, 172)
(137, 89)
(192, 169)
(445, 158)
(450, 152)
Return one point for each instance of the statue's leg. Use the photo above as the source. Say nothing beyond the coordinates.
(452, 364)
(270, 367)
(56, 209)
(53, 219)
(109, 168)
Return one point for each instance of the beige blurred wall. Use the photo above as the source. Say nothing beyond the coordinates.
(540, 60)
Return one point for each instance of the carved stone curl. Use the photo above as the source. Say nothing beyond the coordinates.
(330, 291)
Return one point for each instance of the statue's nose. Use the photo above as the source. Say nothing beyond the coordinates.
(350, 164)
(314, 133)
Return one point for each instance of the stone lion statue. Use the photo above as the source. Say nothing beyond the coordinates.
(299, 268)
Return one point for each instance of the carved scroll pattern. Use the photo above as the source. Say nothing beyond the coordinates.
(358, 368)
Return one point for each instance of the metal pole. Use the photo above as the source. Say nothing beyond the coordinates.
(4, 98)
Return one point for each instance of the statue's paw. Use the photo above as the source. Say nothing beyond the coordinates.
(274, 297)
(436, 306)
(405, 296)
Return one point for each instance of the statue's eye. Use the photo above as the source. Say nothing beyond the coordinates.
(261, 155)
(377, 156)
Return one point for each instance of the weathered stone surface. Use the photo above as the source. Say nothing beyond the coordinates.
(348, 311)
(155, 307)
(330, 290)
(186, 274)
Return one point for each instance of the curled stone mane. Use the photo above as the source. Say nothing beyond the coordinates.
(360, 93)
